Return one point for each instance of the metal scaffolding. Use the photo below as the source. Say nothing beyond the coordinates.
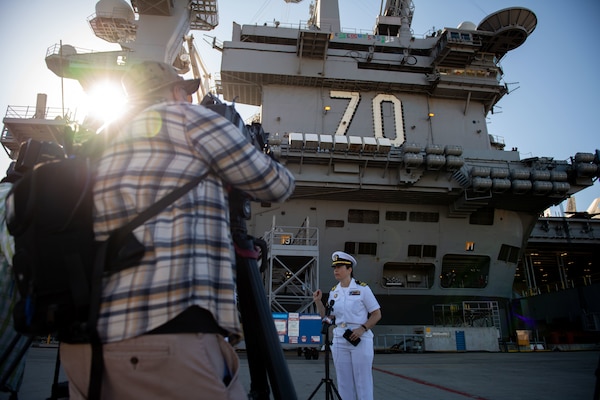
(292, 273)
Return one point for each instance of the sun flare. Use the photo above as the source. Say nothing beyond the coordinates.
(105, 102)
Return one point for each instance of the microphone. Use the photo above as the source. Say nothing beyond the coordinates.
(329, 308)
(329, 320)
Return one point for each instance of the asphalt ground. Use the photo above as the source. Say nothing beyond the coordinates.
(539, 375)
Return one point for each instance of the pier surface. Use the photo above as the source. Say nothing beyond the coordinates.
(442, 376)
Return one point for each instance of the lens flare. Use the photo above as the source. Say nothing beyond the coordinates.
(105, 102)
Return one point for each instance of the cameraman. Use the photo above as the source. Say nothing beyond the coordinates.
(164, 322)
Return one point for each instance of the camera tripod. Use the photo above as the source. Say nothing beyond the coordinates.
(59, 389)
(330, 388)
(265, 355)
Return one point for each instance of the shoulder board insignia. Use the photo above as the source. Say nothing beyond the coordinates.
(333, 288)
(362, 284)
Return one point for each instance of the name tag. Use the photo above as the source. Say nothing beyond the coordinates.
(355, 293)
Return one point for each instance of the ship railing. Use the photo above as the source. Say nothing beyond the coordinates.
(303, 235)
(305, 25)
(399, 342)
(119, 57)
(290, 235)
(472, 72)
(302, 24)
(298, 302)
(31, 112)
(557, 286)
(67, 50)
(508, 346)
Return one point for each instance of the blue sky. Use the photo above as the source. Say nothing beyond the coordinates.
(552, 76)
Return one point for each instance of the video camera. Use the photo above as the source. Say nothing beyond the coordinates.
(253, 132)
(240, 202)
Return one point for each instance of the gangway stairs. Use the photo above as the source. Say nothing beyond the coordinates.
(292, 273)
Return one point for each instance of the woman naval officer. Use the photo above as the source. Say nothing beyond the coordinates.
(355, 309)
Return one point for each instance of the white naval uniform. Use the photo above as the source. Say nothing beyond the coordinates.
(353, 365)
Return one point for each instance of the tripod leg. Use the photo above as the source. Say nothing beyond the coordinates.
(60, 390)
(259, 386)
(316, 389)
(330, 388)
(597, 388)
(336, 392)
(259, 327)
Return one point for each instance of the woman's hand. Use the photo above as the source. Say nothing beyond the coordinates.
(357, 333)
(317, 295)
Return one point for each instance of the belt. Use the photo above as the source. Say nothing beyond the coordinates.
(193, 320)
(346, 324)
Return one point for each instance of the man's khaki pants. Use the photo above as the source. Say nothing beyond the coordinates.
(173, 366)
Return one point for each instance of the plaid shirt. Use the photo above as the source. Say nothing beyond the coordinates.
(189, 257)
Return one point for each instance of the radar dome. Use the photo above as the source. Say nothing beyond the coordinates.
(467, 25)
(67, 50)
(114, 9)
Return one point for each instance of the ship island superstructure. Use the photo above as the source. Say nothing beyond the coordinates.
(386, 135)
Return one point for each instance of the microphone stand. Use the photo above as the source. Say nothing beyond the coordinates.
(330, 388)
